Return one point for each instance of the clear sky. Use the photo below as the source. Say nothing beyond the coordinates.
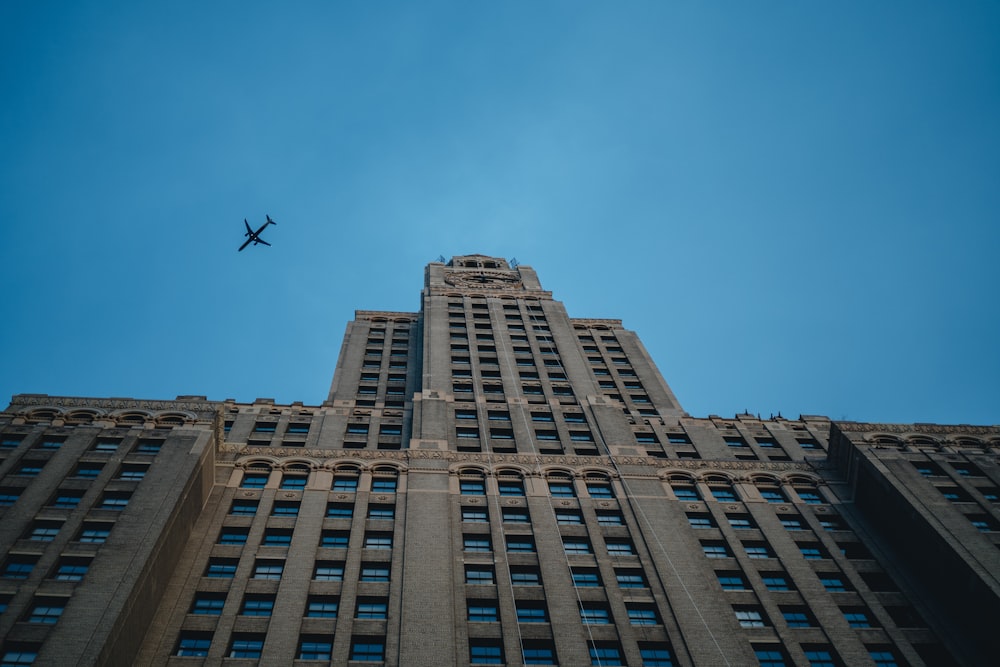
(795, 204)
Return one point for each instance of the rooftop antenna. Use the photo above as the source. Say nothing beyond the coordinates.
(513, 262)
(441, 259)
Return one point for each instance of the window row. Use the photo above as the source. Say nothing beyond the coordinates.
(381, 482)
(274, 568)
(290, 508)
(251, 646)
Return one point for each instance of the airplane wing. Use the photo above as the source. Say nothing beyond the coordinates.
(249, 232)
(260, 240)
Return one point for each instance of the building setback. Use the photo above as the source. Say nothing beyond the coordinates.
(490, 481)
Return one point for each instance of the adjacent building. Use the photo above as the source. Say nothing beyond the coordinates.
(490, 481)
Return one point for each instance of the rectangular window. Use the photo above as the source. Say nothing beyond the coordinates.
(193, 644)
(326, 570)
(371, 572)
(561, 490)
(515, 515)
(378, 541)
(243, 507)
(485, 652)
(569, 517)
(114, 500)
(775, 582)
(322, 606)
(520, 543)
(750, 618)
(339, 511)
(221, 568)
(531, 612)
(796, 617)
(372, 608)
(209, 604)
(345, 484)
(642, 614)
(833, 584)
(628, 578)
(268, 569)
(585, 577)
(610, 518)
(94, 533)
(384, 485)
(655, 654)
(277, 537)
(510, 487)
(294, 482)
(757, 550)
(257, 605)
(246, 646)
(44, 531)
(315, 648)
(482, 611)
(576, 546)
(478, 575)
(254, 480)
(285, 508)
(381, 512)
(474, 515)
(600, 490)
(145, 446)
(605, 654)
(620, 548)
(71, 568)
(594, 614)
(334, 539)
(732, 581)
(46, 610)
(472, 487)
(685, 493)
(525, 576)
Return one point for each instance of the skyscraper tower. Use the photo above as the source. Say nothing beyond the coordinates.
(489, 481)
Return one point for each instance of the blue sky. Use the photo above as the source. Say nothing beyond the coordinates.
(795, 204)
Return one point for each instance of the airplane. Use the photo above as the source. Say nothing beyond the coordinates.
(255, 235)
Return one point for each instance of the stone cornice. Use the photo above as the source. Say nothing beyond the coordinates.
(916, 429)
(592, 322)
(36, 400)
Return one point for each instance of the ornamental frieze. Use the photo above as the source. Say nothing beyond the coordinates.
(917, 429)
(525, 460)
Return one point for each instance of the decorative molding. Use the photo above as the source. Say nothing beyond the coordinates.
(531, 464)
(208, 408)
(917, 429)
(596, 323)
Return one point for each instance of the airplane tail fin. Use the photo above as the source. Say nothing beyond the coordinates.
(272, 222)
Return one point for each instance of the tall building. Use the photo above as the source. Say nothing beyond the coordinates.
(490, 481)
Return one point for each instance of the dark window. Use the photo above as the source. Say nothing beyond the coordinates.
(71, 568)
(221, 568)
(193, 644)
(315, 648)
(244, 507)
(246, 646)
(208, 603)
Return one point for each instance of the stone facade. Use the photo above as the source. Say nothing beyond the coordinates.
(490, 481)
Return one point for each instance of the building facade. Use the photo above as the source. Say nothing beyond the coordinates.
(490, 481)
